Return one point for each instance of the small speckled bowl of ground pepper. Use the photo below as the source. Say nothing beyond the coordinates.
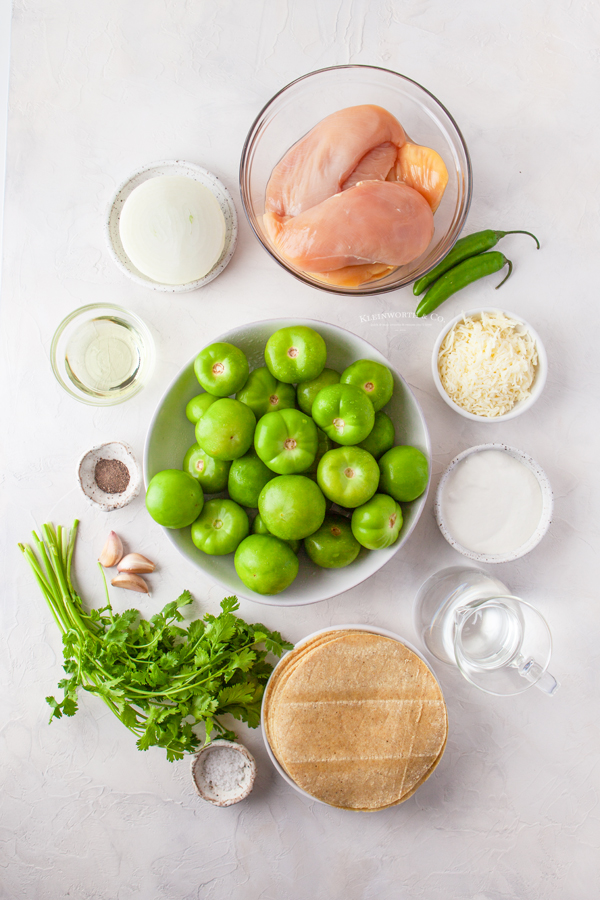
(109, 475)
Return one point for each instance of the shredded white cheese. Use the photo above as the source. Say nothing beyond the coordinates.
(487, 364)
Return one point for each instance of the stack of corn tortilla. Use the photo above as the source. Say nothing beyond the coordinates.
(355, 719)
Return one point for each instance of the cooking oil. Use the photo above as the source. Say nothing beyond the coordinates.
(103, 356)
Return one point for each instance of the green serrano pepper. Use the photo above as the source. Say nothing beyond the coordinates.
(464, 248)
(460, 276)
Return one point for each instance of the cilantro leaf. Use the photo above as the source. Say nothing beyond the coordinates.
(166, 681)
(184, 599)
(229, 604)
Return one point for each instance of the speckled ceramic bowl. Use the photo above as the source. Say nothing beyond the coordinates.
(86, 468)
(153, 170)
(211, 789)
(545, 517)
(522, 405)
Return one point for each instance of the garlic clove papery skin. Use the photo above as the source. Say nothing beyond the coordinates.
(112, 552)
(130, 582)
(135, 562)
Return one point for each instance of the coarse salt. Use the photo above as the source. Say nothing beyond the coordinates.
(224, 774)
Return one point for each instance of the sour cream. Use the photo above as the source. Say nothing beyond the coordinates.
(491, 503)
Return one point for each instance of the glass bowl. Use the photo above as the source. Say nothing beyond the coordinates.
(102, 354)
(297, 108)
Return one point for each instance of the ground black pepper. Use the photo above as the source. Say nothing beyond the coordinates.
(111, 475)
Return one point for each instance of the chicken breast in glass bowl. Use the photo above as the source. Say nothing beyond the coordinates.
(355, 179)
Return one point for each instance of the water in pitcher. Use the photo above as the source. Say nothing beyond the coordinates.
(439, 599)
(489, 636)
(499, 642)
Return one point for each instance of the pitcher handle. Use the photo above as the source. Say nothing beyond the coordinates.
(534, 673)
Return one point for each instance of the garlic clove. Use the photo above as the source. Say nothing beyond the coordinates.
(130, 582)
(112, 552)
(135, 562)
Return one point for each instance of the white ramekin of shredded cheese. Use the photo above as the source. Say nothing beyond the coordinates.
(489, 365)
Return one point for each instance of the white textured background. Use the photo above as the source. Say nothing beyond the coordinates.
(98, 89)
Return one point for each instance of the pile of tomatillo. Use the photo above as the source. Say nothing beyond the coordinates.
(291, 464)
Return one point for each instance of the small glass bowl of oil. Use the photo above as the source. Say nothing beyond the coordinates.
(102, 354)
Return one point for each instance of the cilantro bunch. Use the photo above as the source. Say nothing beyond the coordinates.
(159, 678)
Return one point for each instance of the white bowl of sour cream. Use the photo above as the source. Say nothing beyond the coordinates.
(493, 503)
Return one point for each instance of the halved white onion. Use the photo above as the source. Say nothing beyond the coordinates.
(172, 229)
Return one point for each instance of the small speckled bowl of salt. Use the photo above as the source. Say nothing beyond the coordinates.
(223, 773)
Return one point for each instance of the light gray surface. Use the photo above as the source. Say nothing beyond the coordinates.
(100, 89)
(5, 18)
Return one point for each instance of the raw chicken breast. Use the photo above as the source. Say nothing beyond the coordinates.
(376, 165)
(372, 222)
(362, 139)
(422, 169)
(354, 276)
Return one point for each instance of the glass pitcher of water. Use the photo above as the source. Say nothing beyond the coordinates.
(499, 642)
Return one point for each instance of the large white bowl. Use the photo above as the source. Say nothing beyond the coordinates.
(371, 629)
(170, 435)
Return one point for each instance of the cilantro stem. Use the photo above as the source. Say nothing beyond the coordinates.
(45, 588)
(154, 688)
(108, 604)
(70, 549)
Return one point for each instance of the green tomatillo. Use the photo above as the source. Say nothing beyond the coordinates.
(404, 473)
(226, 429)
(306, 391)
(221, 369)
(382, 436)
(265, 564)
(263, 393)
(377, 523)
(220, 527)
(286, 441)
(344, 412)
(292, 506)
(294, 354)
(371, 377)
(348, 475)
(211, 473)
(198, 405)
(247, 477)
(333, 545)
(174, 499)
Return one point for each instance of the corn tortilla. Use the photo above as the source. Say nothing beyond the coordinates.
(283, 670)
(355, 719)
